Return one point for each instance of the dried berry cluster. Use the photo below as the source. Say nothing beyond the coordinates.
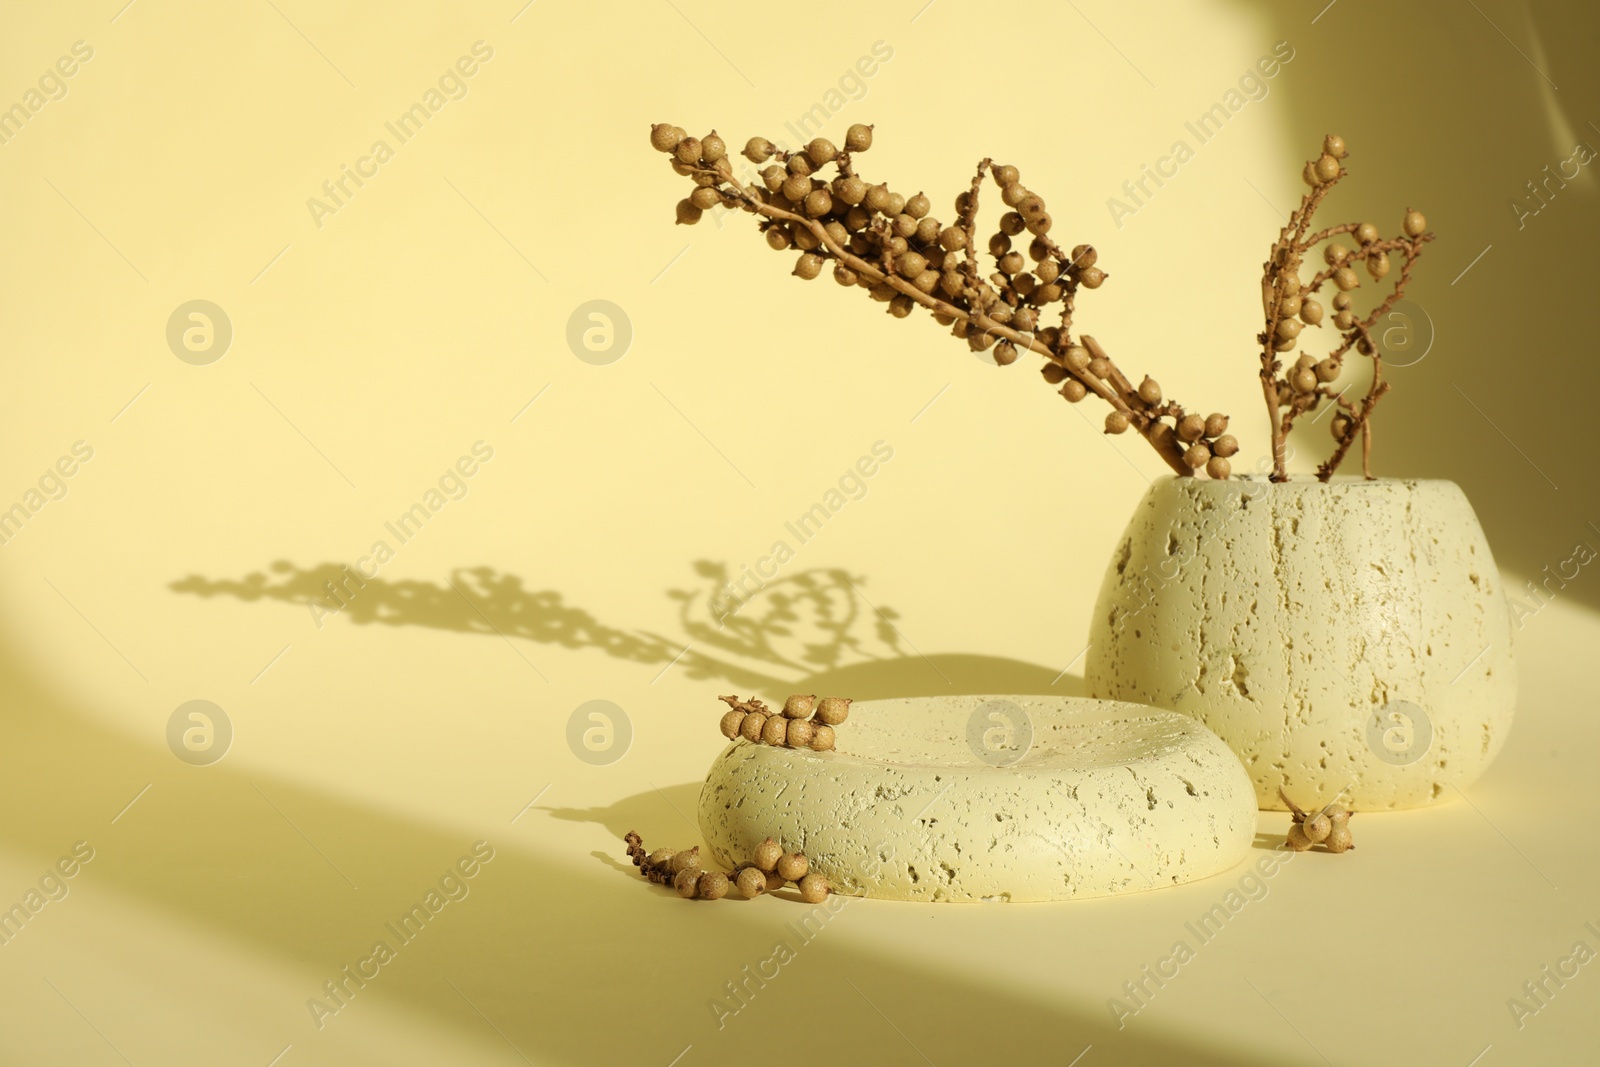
(662, 865)
(1329, 828)
(770, 868)
(754, 721)
(1290, 305)
(895, 248)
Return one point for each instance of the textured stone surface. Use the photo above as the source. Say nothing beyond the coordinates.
(1285, 617)
(1109, 798)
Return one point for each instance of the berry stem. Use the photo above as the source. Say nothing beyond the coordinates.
(894, 247)
(968, 222)
(1300, 390)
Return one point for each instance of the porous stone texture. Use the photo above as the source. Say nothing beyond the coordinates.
(1295, 619)
(1109, 798)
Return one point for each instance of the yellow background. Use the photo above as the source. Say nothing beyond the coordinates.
(373, 350)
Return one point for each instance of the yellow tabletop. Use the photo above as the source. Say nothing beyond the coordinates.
(311, 416)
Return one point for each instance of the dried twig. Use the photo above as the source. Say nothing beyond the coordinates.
(1291, 305)
(894, 248)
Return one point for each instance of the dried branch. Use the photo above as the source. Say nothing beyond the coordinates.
(891, 246)
(1290, 305)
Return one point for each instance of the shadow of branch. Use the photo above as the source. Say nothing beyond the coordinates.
(809, 630)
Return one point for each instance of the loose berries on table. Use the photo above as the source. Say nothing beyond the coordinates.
(814, 888)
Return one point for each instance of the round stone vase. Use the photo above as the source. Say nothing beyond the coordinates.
(1348, 639)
